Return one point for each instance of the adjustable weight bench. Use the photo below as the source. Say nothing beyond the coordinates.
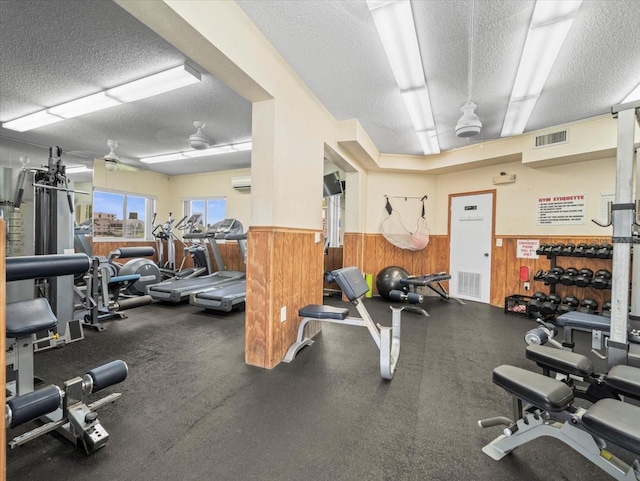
(620, 381)
(354, 287)
(412, 283)
(544, 407)
(597, 325)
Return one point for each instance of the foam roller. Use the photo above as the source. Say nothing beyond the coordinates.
(108, 374)
(132, 302)
(128, 252)
(30, 406)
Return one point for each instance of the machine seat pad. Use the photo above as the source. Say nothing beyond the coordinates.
(615, 421)
(122, 279)
(318, 311)
(566, 362)
(584, 321)
(541, 391)
(27, 317)
(425, 279)
(625, 380)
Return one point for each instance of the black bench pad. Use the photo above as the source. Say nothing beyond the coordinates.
(624, 380)
(318, 311)
(584, 321)
(541, 391)
(615, 421)
(28, 317)
(566, 362)
(425, 279)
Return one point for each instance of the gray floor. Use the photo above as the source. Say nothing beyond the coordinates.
(192, 410)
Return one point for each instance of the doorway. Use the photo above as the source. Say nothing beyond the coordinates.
(471, 229)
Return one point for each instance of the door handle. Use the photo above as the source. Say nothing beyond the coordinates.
(486, 254)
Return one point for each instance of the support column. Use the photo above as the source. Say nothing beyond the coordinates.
(3, 355)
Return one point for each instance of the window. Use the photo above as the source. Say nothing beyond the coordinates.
(213, 209)
(121, 215)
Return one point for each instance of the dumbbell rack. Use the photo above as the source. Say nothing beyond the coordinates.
(553, 260)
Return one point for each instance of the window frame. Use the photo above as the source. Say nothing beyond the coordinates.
(186, 206)
(150, 207)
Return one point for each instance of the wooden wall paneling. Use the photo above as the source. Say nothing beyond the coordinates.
(258, 306)
(3, 326)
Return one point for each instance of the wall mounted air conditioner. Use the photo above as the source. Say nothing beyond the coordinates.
(241, 183)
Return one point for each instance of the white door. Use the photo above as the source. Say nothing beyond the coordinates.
(470, 246)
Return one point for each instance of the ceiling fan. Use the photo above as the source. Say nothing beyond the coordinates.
(469, 124)
(199, 141)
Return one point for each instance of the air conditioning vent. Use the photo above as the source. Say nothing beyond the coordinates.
(561, 137)
(469, 284)
(241, 183)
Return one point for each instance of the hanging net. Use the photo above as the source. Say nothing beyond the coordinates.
(396, 232)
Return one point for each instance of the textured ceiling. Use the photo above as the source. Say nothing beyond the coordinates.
(332, 45)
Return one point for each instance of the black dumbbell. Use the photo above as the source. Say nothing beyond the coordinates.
(606, 309)
(568, 277)
(553, 276)
(547, 249)
(557, 249)
(583, 279)
(591, 250)
(550, 306)
(534, 305)
(540, 275)
(568, 249)
(589, 306)
(569, 303)
(601, 279)
(605, 251)
(579, 250)
(540, 250)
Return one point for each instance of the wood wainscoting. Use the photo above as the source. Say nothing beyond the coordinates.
(284, 270)
(372, 252)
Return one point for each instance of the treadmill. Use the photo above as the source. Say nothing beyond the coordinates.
(176, 290)
(227, 296)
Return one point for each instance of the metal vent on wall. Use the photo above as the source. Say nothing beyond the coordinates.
(561, 137)
(469, 284)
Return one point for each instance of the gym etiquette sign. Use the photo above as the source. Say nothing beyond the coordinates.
(562, 210)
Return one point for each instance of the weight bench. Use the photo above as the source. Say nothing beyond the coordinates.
(412, 283)
(599, 326)
(544, 407)
(620, 381)
(354, 287)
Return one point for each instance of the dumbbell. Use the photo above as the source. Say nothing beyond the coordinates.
(606, 309)
(568, 249)
(601, 279)
(605, 251)
(583, 278)
(556, 250)
(534, 305)
(569, 303)
(568, 276)
(579, 250)
(541, 249)
(547, 249)
(591, 250)
(540, 275)
(588, 306)
(553, 276)
(550, 306)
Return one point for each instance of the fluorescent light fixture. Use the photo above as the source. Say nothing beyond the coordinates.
(394, 22)
(191, 154)
(32, 121)
(78, 169)
(419, 108)
(85, 105)
(550, 24)
(162, 82)
(159, 83)
(429, 141)
(634, 95)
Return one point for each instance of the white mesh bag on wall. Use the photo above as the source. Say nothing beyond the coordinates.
(396, 232)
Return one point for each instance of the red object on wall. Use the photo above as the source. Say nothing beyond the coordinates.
(524, 274)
